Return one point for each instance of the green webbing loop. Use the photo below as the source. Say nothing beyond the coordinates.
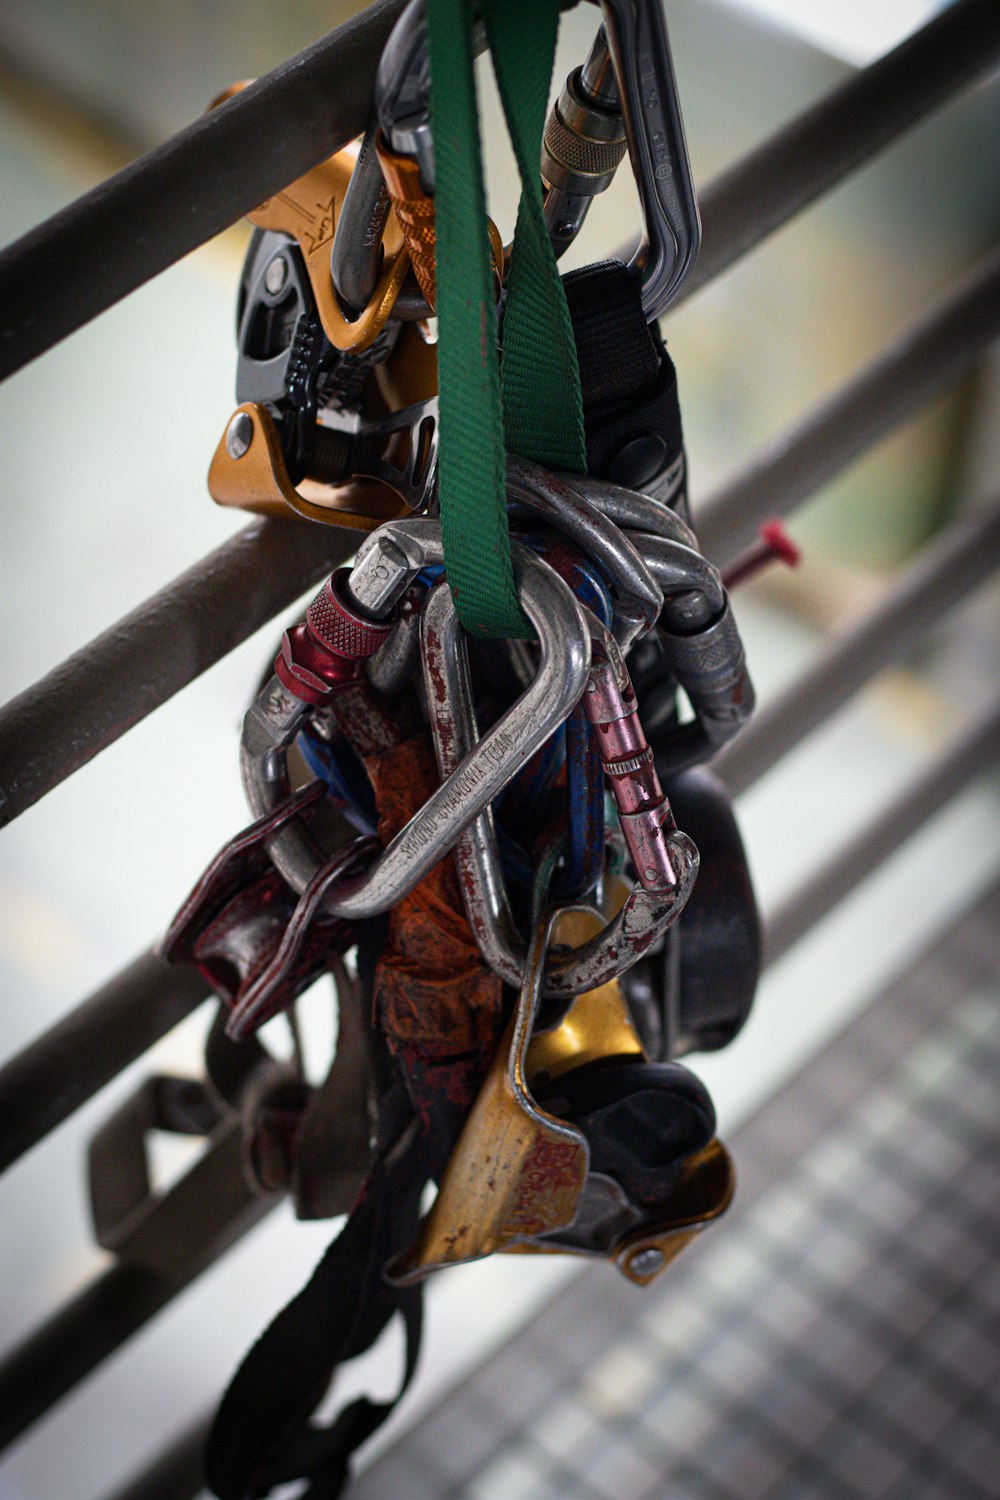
(540, 375)
(541, 381)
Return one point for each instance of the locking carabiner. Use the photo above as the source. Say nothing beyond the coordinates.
(665, 878)
(640, 49)
(584, 141)
(385, 566)
(626, 93)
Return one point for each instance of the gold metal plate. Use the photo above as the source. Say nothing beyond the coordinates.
(597, 1024)
(517, 1171)
(701, 1195)
(308, 209)
(258, 481)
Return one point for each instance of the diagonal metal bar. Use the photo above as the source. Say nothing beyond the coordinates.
(924, 361)
(107, 687)
(215, 171)
(63, 1068)
(117, 691)
(175, 1473)
(806, 158)
(268, 564)
(88, 702)
(203, 179)
(947, 569)
(962, 762)
(976, 750)
(206, 1212)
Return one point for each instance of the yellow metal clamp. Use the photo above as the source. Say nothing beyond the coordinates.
(248, 471)
(518, 1172)
(309, 209)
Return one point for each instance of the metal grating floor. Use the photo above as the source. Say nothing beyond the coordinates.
(837, 1338)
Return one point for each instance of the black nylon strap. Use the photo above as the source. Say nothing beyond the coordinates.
(632, 414)
(262, 1432)
(324, 1453)
(618, 356)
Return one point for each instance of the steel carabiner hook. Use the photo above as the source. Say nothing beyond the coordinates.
(600, 112)
(640, 49)
(650, 907)
(625, 95)
(385, 566)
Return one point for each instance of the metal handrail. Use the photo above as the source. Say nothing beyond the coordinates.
(947, 570)
(64, 1067)
(175, 1472)
(976, 750)
(107, 686)
(216, 170)
(220, 1208)
(922, 362)
(192, 187)
(235, 158)
(46, 1366)
(803, 160)
(90, 700)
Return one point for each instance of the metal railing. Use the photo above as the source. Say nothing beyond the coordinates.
(219, 168)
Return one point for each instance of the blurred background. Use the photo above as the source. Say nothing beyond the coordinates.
(106, 443)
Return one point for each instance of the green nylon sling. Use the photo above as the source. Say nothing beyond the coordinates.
(541, 412)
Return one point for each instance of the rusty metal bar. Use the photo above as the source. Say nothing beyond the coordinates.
(174, 1475)
(924, 361)
(212, 173)
(269, 563)
(63, 1068)
(109, 685)
(206, 1212)
(947, 569)
(106, 689)
(58, 725)
(203, 179)
(976, 750)
(176, 1472)
(809, 156)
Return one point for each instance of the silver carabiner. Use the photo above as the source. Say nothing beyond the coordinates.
(646, 914)
(654, 131)
(275, 719)
(697, 628)
(640, 49)
(356, 253)
(637, 596)
(631, 510)
(601, 110)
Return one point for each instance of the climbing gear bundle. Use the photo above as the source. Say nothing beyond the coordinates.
(476, 772)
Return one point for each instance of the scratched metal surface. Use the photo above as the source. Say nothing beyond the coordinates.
(839, 1335)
